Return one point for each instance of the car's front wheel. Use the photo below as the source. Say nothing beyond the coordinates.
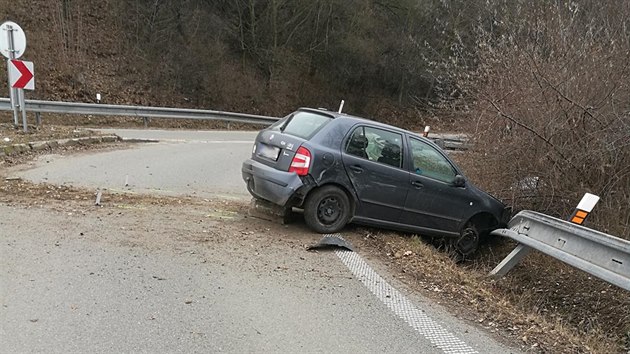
(327, 210)
(468, 241)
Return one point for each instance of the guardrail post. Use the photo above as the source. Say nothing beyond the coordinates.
(145, 120)
(38, 119)
(510, 261)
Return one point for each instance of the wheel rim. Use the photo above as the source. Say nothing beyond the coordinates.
(468, 241)
(329, 210)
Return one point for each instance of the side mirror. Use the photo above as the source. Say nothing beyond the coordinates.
(459, 181)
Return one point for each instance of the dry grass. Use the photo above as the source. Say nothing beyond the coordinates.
(44, 132)
(18, 191)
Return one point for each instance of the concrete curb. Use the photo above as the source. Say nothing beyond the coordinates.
(17, 149)
(136, 140)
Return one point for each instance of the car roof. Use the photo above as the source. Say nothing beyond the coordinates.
(355, 119)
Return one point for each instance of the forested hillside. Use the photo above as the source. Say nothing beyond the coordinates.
(267, 56)
(542, 86)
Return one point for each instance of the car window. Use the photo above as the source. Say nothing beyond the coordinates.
(427, 161)
(302, 124)
(376, 145)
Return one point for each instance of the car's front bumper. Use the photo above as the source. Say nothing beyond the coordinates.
(267, 183)
(506, 215)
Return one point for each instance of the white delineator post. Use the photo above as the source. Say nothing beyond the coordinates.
(584, 208)
(341, 106)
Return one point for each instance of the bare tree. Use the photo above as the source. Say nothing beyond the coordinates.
(551, 103)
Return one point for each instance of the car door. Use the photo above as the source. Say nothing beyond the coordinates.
(373, 160)
(433, 202)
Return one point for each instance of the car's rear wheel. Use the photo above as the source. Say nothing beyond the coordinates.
(327, 210)
(468, 241)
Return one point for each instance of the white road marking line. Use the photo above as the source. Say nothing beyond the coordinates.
(401, 306)
(224, 141)
(207, 141)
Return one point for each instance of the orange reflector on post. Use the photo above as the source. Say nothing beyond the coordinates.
(581, 214)
(578, 216)
(577, 220)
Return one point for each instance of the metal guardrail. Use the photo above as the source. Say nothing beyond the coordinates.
(453, 142)
(604, 256)
(137, 111)
(456, 142)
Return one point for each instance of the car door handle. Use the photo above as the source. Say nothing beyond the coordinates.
(417, 184)
(356, 169)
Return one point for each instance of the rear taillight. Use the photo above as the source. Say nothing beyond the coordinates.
(301, 161)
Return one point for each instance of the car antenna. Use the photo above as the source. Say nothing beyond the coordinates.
(341, 106)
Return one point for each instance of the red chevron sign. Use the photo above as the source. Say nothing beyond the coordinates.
(21, 74)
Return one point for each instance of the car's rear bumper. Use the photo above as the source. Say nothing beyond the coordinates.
(267, 183)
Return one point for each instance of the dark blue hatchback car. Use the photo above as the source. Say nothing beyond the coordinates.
(341, 169)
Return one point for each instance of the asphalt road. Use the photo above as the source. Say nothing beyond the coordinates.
(203, 164)
(168, 280)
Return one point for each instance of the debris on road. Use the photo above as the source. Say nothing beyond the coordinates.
(98, 198)
(268, 211)
(330, 242)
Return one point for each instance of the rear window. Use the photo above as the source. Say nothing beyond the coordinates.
(302, 124)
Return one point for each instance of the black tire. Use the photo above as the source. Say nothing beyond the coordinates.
(468, 241)
(327, 210)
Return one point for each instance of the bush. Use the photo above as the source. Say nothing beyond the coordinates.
(550, 108)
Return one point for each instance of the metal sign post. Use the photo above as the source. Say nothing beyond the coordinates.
(12, 46)
(21, 78)
(23, 109)
(12, 91)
